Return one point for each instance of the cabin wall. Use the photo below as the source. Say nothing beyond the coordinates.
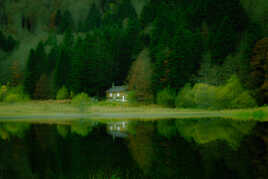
(115, 96)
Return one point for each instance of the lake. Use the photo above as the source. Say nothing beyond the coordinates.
(184, 148)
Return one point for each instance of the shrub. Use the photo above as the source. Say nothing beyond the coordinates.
(15, 94)
(185, 97)
(167, 128)
(12, 98)
(204, 95)
(81, 129)
(3, 92)
(232, 95)
(244, 100)
(229, 96)
(81, 99)
(132, 98)
(62, 93)
(63, 130)
(72, 94)
(228, 92)
(166, 97)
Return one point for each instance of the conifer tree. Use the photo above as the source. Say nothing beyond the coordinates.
(93, 19)
(30, 74)
(77, 67)
(63, 66)
(34, 68)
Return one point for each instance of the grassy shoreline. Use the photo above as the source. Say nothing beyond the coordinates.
(63, 110)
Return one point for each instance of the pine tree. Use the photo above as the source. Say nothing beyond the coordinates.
(67, 21)
(64, 21)
(30, 74)
(52, 59)
(93, 19)
(42, 88)
(34, 68)
(16, 74)
(7, 43)
(58, 18)
(41, 57)
(63, 66)
(77, 67)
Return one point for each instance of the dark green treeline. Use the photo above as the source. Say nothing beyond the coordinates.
(98, 51)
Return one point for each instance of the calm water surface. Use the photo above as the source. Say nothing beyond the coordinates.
(184, 148)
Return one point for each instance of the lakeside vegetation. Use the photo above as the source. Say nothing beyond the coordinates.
(66, 110)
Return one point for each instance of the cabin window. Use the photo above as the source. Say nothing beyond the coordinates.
(123, 98)
(118, 94)
(111, 94)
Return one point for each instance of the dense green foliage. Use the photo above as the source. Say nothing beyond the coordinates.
(229, 96)
(12, 94)
(81, 100)
(140, 78)
(62, 93)
(166, 97)
(7, 43)
(186, 42)
(132, 97)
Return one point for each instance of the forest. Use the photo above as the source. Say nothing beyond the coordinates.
(209, 54)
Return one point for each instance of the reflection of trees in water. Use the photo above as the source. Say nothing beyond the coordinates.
(176, 158)
(13, 161)
(257, 146)
(221, 161)
(7, 130)
(54, 151)
(141, 145)
(44, 153)
(162, 158)
(81, 128)
(167, 128)
(205, 131)
(217, 142)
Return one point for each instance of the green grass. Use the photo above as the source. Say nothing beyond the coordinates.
(64, 111)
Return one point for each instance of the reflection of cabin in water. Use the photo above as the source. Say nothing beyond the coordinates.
(117, 93)
(117, 129)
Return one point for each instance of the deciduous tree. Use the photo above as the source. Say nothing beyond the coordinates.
(140, 77)
(259, 64)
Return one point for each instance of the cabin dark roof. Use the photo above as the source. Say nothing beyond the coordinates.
(117, 89)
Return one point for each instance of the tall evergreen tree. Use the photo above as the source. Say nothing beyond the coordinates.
(93, 19)
(52, 59)
(64, 21)
(7, 43)
(30, 74)
(34, 68)
(58, 18)
(63, 66)
(77, 67)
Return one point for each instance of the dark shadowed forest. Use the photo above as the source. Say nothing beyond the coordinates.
(177, 53)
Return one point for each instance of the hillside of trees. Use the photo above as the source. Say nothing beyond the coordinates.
(157, 47)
